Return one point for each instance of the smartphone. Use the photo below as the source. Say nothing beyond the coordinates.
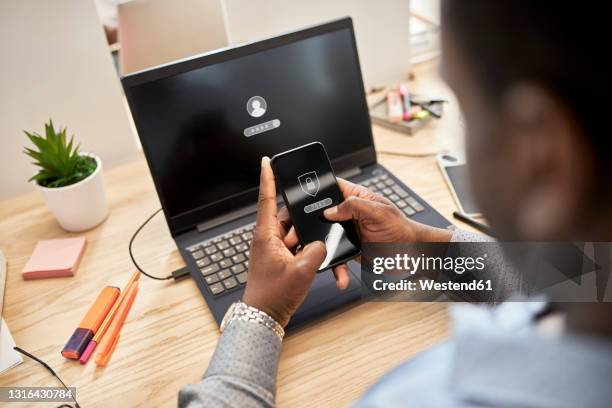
(454, 169)
(308, 185)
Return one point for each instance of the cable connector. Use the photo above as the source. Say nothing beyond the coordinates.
(180, 273)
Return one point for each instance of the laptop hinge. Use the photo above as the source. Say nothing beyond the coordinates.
(227, 217)
(352, 172)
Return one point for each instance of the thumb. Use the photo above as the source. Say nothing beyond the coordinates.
(309, 259)
(351, 208)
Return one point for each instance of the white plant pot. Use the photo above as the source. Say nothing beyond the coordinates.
(80, 206)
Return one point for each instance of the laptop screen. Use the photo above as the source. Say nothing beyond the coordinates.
(204, 130)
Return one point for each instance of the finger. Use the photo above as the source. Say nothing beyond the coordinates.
(351, 208)
(342, 276)
(266, 206)
(291, 240)
(284, 220)
(351, 189)
(309, 259)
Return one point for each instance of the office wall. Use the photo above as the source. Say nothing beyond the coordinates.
(55, 64)
(381, 29)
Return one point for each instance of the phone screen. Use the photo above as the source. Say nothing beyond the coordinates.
(307, 182)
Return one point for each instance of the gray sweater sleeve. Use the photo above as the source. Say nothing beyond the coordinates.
(506, 281)
(242, 371)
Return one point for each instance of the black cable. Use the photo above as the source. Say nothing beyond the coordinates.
(132, 255)
(176, 275)
(38, 360)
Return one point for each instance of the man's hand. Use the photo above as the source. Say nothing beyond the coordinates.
(278, 280)
(377, 220)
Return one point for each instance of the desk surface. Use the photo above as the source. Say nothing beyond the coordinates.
(170, 334)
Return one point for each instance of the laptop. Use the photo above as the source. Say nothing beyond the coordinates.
(205, 122)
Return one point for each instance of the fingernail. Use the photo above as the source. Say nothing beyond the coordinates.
(264, 160)
(331, 211)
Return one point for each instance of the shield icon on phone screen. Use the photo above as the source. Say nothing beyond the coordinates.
(309, 182)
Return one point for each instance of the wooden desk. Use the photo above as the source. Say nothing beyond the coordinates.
(170, 335)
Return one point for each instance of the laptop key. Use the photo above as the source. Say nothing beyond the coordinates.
(238, 258)
(235, 240)
(229, 252)
(197, 254)
(380, 185)
(408, 210)
(242, 278)
(203, 262)
(226, 263)
(209, 269)
(216, 288)
(400, 192)
(230, 283)
(210, 279)
(216, 257)
(238, 268)
(389, 182)
(210, 250)
(394, 197)
(415, 204)
(224, 274)
(401, 203)
(247, 236)
(223, 245)
(387, 191)
(242, 247)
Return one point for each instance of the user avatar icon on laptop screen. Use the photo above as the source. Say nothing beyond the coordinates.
(256, 106)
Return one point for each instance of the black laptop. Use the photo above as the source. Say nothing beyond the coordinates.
(205, 122)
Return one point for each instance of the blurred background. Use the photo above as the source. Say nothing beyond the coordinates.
(62, 59)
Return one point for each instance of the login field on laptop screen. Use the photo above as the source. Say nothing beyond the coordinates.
(204, 131)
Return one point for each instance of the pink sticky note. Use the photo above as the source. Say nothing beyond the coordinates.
(54, 258)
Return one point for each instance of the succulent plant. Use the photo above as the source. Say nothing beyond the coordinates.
(60, 162)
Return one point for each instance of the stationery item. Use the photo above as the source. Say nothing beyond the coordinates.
(421, 114)
(109, 342)
(54, 258)
(405, 96)
(470, 221)
(9, 358)
(395, 109)
(107, 321)
(91, 322)
(379, 116)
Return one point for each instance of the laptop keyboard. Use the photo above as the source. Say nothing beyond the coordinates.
(224, 260)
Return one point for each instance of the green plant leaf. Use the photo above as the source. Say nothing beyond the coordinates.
(58, 159)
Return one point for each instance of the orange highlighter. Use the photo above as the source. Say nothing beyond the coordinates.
(110, 340)
(91, 322)
(109, 318)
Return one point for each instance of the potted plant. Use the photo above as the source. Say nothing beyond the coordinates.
(70, 181)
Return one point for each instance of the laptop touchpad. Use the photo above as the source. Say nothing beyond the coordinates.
(324, 296)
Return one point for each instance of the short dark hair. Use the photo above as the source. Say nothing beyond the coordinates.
(559, 45)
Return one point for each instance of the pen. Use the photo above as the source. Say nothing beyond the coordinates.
(109, 342)
(405, 96)
(91, 322)
(109, 317)
(469, 220)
